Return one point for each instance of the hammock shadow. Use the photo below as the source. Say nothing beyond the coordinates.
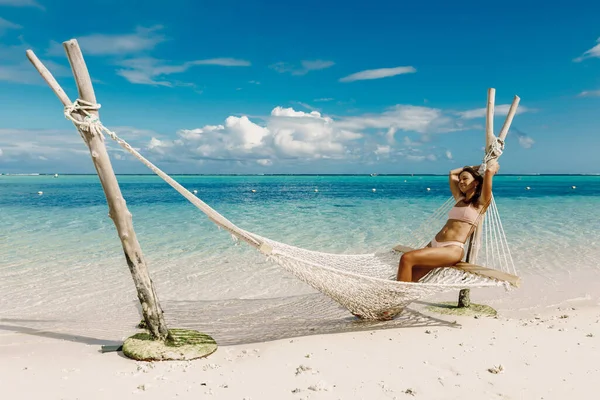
(245, 321)
(52, 335)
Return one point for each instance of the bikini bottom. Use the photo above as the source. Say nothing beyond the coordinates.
(435, 243)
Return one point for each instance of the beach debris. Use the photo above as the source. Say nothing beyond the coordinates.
(428, 331)
(307, 356)
(144, 367)
(297, 390)
(410, 391)
(302, 368)
(589, 335)
(496, 369)
(320, 386)
(142, 387)
(210, 366)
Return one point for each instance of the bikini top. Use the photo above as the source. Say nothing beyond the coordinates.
(466, 213)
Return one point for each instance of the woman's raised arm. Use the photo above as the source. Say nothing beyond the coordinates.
(488, 177)
(453, 181)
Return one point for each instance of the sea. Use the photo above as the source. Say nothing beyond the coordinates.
(63, 272)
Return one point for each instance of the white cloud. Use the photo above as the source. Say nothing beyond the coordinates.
(151, 71)
(5, 25)
(305, 67)
(36, 143)
(54, 150)
(419, 158)
(25, 73)
(292, 136)
(501, 109)
(448, 154)
(594, 52)
(21, 3)
(382, 149)
(324, 99)
(378, 73)
(589, 93)
(98, 44)
(526, 142)
(408, 142)
(1, 152)
(403, 117)
(287, 134)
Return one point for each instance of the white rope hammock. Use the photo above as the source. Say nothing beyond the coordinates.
(363, 283)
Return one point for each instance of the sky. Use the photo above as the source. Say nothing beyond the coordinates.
(312, 87)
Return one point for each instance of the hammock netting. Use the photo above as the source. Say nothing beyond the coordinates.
(363, 283)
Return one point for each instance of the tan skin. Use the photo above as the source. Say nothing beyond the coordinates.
(417, 263)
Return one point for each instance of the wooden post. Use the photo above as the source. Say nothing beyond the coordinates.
(509, 118)
(118, 212)
(489, 118)
(464, 296)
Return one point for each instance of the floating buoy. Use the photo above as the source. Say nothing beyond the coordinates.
(253, 190)
(316, 190)
(374, 190)
(573, 187)
(527, 188)
(40, 193)
(195, 191)
(428, 189)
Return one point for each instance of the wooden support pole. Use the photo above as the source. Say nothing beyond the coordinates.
(118, 212)
(489, 118)
(509, 117)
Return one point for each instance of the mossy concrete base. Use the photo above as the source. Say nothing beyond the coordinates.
(474, 310)
(184, 345)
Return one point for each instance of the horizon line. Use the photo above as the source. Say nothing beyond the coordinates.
(290, 174)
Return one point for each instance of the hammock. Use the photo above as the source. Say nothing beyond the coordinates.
(363, 283)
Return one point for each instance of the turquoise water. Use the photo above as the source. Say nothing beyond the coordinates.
(61, 260)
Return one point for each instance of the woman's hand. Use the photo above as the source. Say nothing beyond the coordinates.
(493, 166)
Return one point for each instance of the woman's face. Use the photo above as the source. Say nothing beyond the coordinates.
(466, 182)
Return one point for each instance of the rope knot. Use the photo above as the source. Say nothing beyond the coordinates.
(494, 152)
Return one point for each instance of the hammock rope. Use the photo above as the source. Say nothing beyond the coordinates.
(363, 283)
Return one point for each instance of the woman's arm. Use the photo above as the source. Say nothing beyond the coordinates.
(453, 181)
(486, 190)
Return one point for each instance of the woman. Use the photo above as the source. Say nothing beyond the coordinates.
(473, 194)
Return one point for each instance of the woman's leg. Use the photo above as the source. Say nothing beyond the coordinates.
(424, 260)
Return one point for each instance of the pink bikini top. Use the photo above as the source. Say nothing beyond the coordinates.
(467, 214)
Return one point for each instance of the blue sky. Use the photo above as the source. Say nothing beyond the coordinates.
(310, 87)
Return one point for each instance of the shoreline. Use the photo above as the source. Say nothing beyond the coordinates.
(550, 356)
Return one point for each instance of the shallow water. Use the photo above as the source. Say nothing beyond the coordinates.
(62, 268)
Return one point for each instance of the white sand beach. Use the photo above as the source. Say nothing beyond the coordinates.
(549, 356)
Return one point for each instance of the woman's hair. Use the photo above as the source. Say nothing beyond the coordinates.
(475, 174)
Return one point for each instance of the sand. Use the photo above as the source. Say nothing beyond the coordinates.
(550, 356)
